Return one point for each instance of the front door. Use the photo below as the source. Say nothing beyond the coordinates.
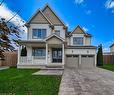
(56, 55)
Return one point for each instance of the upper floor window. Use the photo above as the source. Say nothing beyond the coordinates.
(39, 33)
(57, 32)
(77, 40)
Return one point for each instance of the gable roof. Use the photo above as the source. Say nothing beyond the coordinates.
(53, 14)
(54, 35)
(39, 11)
(78, 32)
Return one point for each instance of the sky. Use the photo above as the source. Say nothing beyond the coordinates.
(94, 16)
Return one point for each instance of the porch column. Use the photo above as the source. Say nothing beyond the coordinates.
(63, 54)
(19, 54)
(46, 53)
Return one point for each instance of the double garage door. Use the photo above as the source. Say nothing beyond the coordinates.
(87, 61)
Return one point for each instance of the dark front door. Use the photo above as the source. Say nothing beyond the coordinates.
(56, 55)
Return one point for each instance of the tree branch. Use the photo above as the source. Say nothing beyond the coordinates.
(1, 2)
(13, 16)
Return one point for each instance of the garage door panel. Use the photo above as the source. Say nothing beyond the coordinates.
(87, 61)
(72, 61)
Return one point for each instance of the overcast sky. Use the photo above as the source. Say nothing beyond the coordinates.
(94, 16)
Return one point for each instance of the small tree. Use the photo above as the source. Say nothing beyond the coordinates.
(100, 56)
(24, 51)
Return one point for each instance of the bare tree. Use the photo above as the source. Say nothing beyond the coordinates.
(9, 36)
(1, 2)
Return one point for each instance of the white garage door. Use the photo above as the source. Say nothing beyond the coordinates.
(72, 61)
(87, 61)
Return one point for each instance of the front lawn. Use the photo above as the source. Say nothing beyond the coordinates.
(108, 67)
(21, 82)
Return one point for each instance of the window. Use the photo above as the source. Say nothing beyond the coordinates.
(78, 41)
(57, 32)
(40, 52)
(39, 33)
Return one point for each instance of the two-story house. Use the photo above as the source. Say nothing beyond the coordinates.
(50, 45)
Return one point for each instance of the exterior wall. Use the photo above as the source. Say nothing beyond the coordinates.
(29, 52)
(87, 41)
(49, 55)
(68, 41)
(112, 49)
(39, 19)
(78, 30)
(80, 51)
(51, 16)
(62, 31)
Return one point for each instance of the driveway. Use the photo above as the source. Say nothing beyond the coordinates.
(87, 82)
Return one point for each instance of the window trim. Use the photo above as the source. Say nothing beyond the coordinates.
(77, 44)
(37, 33)
(38, 56)
(57, 31)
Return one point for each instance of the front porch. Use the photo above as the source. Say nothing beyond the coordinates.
(53, 55)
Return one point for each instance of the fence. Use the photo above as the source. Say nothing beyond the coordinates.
(10, 59)
(108, 59)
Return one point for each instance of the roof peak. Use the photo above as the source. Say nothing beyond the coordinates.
(47, 5)
(39, 10)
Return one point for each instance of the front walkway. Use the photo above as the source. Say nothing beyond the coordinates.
(3, 67)
(49, 72)
(87, 82)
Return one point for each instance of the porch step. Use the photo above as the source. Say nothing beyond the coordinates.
(53, 68)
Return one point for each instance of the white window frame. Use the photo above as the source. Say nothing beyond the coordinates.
(39, 32)
(43, 50)
(57, 32)
(79, 41)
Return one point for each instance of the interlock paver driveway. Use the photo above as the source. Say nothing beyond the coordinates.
(87, 82)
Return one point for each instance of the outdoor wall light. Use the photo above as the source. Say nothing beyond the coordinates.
(72, 51)
(87, 51)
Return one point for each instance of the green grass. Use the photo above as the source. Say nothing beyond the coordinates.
(21, 82)
(108, 67)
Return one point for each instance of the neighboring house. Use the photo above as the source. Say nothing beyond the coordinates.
(49, 44)
(112, 48)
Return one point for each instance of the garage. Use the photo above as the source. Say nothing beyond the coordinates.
(72, 61)
(87, 61)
